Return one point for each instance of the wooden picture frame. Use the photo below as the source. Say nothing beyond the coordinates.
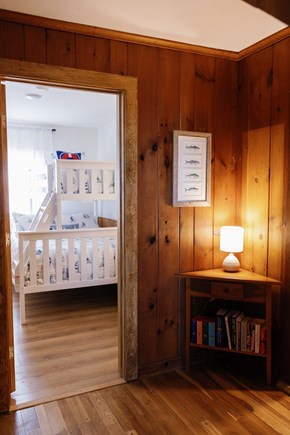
(191, 169)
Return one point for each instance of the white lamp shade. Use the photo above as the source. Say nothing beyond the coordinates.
(231, 239)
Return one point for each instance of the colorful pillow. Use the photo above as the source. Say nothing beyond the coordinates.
(65, 155)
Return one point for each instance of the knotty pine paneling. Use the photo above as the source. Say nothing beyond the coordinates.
(225, 157)
(169, 100)
(279, 240)
(60, 48)
(204, 114)
(264, 113)
(256, 188)
(192, 92)
(148, 297)
(12, 40)
(92, 53)
(35, 50)
(118, 57)
(187, 108)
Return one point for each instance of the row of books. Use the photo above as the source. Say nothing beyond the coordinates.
(231, 329)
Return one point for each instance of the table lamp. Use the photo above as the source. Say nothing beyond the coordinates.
(231, 241)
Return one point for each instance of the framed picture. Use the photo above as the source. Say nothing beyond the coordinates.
(191, 169)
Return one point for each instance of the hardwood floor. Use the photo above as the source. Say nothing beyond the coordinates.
(68, 346)
(206, 402)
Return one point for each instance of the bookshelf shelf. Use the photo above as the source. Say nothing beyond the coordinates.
(226, 349)
(240, 287)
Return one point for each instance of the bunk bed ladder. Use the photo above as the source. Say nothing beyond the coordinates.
(42, 221)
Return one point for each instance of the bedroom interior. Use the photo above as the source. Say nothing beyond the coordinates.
(48, 192)
(241, 96)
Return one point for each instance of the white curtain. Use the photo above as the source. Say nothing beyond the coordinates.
(29, 149)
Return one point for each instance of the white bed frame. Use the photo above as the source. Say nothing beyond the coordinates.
(28, 239)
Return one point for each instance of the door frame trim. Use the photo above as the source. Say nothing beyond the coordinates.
(126, 88)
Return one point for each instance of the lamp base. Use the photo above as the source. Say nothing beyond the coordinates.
(231, 263)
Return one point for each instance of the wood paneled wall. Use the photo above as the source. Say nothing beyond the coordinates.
(176, 91)
(245, 105)
(264, 86)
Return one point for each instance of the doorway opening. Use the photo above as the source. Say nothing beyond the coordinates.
(69, 342)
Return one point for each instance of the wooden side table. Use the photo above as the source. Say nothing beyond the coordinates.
(243, 286)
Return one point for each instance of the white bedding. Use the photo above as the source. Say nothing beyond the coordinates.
(87, 181)
(88, 270)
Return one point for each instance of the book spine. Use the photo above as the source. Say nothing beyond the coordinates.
(234, 334)
(199, 332)
(211, 333)
(238, 332)
(228, 332)
(220, 331)
(263, 342)
(205, 332)
(252, 337)
(248, 336)
(244, 325)
(193, 336)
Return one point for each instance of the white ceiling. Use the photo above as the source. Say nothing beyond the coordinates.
(225, 24)
(58, 106)
(222, 24)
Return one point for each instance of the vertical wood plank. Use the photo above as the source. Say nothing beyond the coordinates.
(226, 158)
(147, 74)
(204, 99)
(92, 53)
(60, 48)
(85, 52)
(102, 54)
(187, 106)
(169, 101)
(258, 155)
(243, 129)
(35, 44)
(118, 57)
(11, 40)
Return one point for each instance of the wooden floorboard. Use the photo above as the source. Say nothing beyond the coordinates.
(68, 346)
(204, 401)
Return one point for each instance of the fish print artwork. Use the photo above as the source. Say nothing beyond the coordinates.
(191, 168)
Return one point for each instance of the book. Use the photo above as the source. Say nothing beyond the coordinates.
(220, 335)
(252, 336)
(238, 330)
(211, 333)
(244, 328)
(233, 329)
(228, 323)
(259, 323)
(200, 329)
(205, 332)
(248, 335)
(263, 342)
(193, 336)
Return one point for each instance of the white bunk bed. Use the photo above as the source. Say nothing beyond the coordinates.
(61, 259)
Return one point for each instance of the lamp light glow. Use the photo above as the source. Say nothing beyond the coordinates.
(231, 241)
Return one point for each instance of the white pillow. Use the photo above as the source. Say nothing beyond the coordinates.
(78, 220)
(22, 221)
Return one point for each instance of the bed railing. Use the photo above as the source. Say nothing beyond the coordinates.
(89, 255)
